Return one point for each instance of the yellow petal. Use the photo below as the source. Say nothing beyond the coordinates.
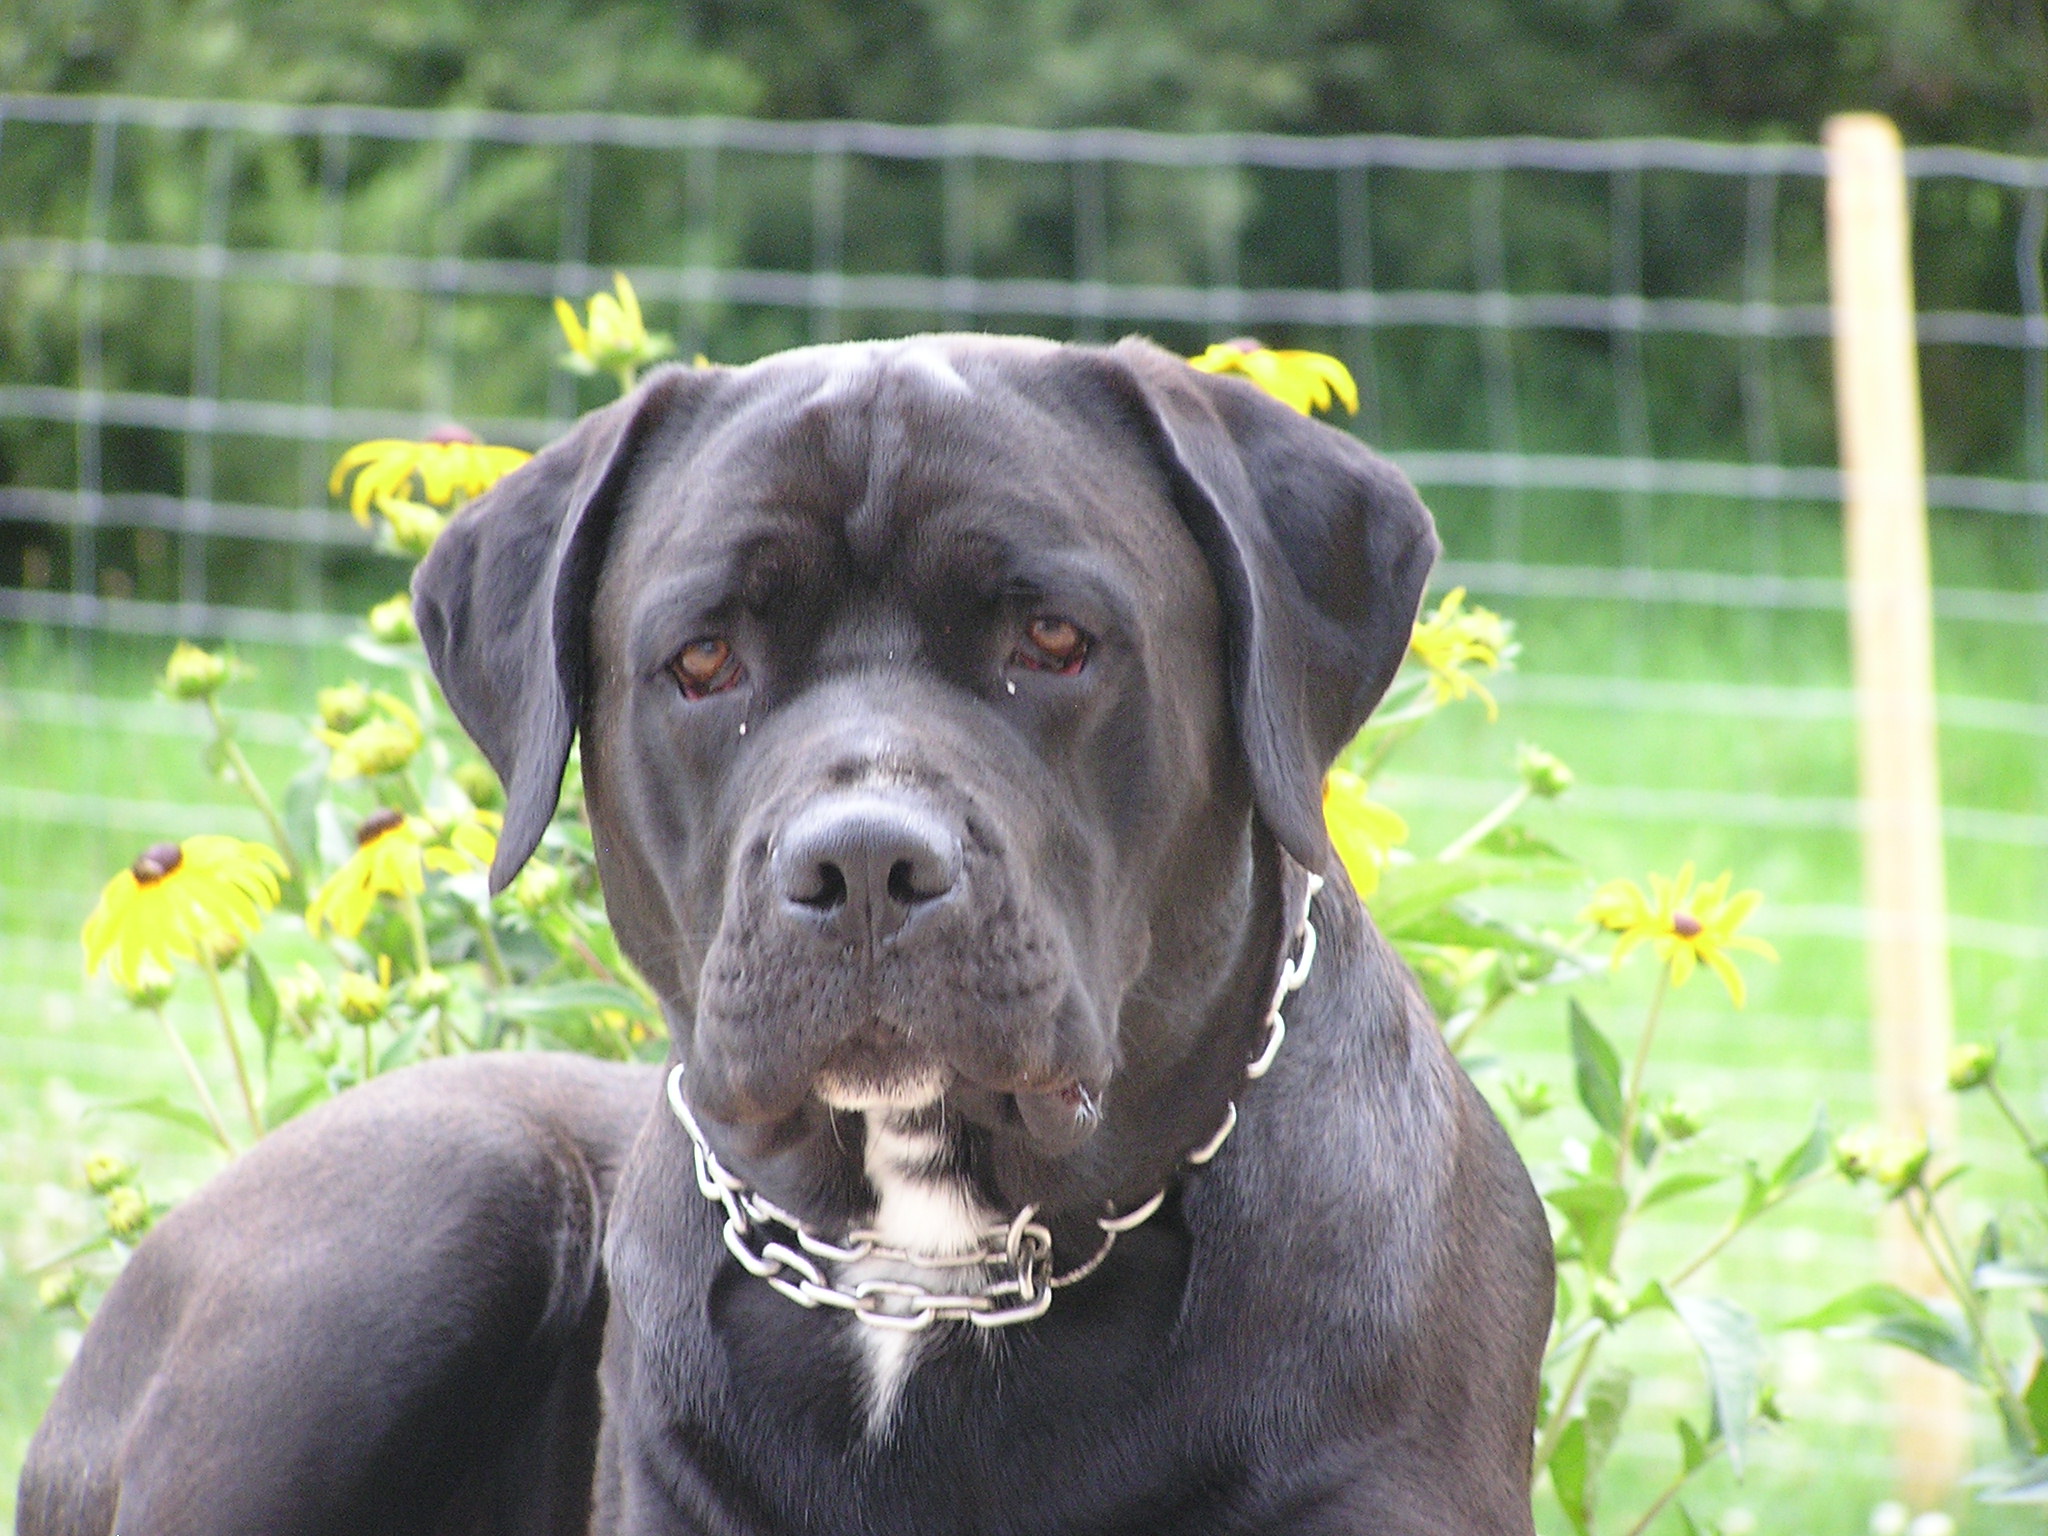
(579, 339)
(629, 303)
(1683, 958)
(1731, 978)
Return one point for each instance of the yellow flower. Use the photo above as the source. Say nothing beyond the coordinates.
(393, 853)
(614, 338)
(1454, 638)
(1362, 830)
(177, 900)
(1686, 927)
(384, 743)
(450, 464)
(1307, 381)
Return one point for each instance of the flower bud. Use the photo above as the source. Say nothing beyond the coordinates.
(429, 989)
(1678, 1121)
(391, 621)
(414, 526)
(127, 1213)
(477, 781)
(344, 707)
(1607, 1300)
(302, 994)
(192, 674)
(1970, 1066)
(1531, 1099)
(60, 1290)
(361, 999)
(378, 746)
(152, 985)
(1892, 1160)
(538, 886)
(1546, 775)
(222, 947)
(104, 1173)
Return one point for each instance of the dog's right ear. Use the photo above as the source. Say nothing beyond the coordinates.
(503, 600)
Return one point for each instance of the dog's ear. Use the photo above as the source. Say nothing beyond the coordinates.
(503, 600)
(1320, 550)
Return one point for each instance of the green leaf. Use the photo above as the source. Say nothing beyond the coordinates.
(1732, 1350)
(1685, 1521)
(1990, 1249)
(1513, 842)
(262, 1006)
(1808, 1157)
(2024, 1482)
(1409, 893)
(1692, 1450)
(405, 1047)
(567, 997)
(380, 654)
(1891, 1316)
(1606, 1406)
(157, 1107)
(1672, 1186)
(302, 797)
(1568, 1477)
(1597, 1069)
(2036, 1400)
(1593, 1212)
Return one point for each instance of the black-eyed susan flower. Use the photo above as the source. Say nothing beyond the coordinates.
(176, 901)
(1686, 926)
(383, 743)
(612, 337)
(1307, 381)
(1453, 638)
(451, 465)
(1363, 831)
(393, 853)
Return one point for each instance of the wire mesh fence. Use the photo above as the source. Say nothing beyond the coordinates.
(1606, 364)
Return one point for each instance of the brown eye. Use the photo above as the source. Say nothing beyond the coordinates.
(1052, 644)
(706, 666)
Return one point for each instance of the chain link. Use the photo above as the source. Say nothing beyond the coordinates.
(1016, 1281)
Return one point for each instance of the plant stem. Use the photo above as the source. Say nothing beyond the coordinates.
(369, 1056)
(231, 754)
(1672, 1489)
(586, 947)
(1736, 1223)
(1554, 1427)
(1934, 1236)
(205, 1094)
(1486, 825)
(1632, 1096)
(416, 924)
(227, 1029)
(494, 957)
(2034, 1148)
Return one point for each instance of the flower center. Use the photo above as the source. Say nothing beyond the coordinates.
(157, 860)
(376, 824)
(1246, 344)
(1685, 925)
(452, 434)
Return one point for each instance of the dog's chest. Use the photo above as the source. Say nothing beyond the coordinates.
(922, 1206)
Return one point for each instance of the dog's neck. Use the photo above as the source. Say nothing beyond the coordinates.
(924, 1205)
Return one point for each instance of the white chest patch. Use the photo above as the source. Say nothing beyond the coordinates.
(922, 1207)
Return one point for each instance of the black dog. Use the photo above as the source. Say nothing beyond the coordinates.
(954, 716)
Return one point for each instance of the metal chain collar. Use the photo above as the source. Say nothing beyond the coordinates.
(1015, 1258)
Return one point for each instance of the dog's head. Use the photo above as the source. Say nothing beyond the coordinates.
(932, 694)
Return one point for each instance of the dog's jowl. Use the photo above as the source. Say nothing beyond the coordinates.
(1048, 1141)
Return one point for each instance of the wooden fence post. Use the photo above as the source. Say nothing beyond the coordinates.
(1891, 632)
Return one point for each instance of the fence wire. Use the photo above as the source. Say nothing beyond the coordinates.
(209, 299)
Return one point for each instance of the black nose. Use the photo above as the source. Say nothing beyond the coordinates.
(863, 865)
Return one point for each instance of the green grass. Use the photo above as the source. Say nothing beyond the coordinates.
(1756, 781)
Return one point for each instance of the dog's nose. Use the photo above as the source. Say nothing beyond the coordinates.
(862, 865)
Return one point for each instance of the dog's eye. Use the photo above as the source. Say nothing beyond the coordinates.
(1052, 644)
(706, 666)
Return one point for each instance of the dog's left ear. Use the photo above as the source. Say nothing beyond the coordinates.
(1320, 549)
(503, 600)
